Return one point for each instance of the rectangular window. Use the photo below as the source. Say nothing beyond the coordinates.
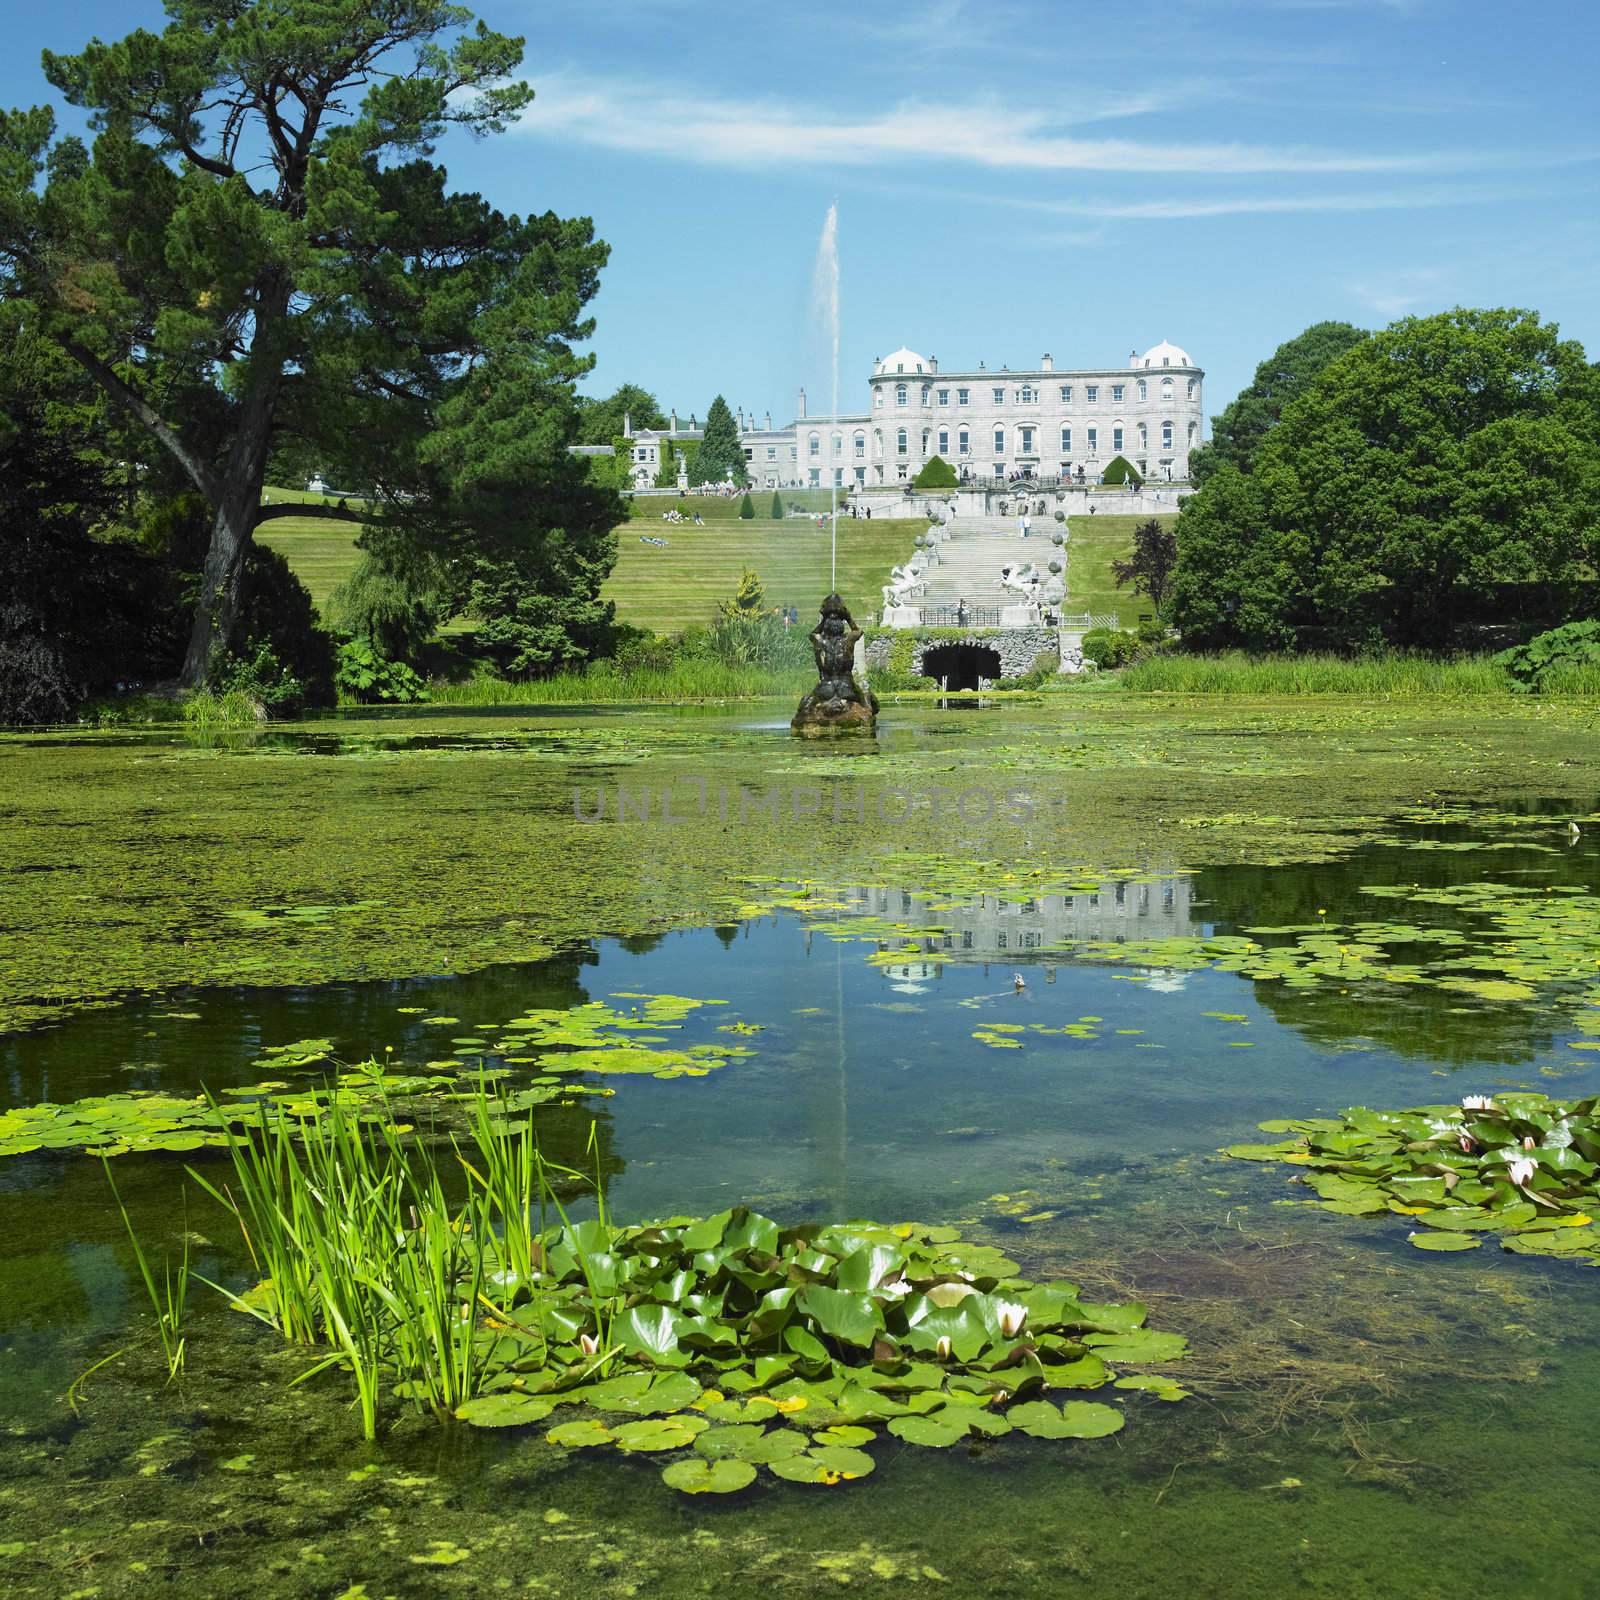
(772, 454)
(1026, 395)
(1091, 393)
(749, 453)
(944, 442)
(944, 397)
(1094, 440)
(1066, 441)
(999, 441)
(816, 444)
(1066, 391)
(1116, 440)
(816, 477)
(999, 396)
(961, 396)
(964, 440)
(861, 475)
(838, 476)
(1116, 394)
(900, 393)
(1027, 441)
(861, 445)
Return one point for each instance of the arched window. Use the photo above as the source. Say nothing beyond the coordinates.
(1144, 390)
(999, 441)
(1066, 440)
(877, 444)
(1144, 437)
(815, 444)
(1166, 435)
(926, 393)
(924, 441)
(964, 442)
(838, 446)
(1194, 433)
(861, 445)
(1192, 387)
(900, 442)
(1166, 391)
(900, 394)
(944, 441)
(1116, 437)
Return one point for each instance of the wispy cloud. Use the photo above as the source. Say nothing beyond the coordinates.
(1403, 291)
(1247, 205)
(645, 119)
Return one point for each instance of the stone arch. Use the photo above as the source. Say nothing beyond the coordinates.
(960, 664)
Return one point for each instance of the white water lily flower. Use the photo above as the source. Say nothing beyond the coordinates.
(1521, 1170)
(1477, 1102)
(1012, 1316)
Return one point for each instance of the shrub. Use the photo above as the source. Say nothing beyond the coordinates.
(747, 512)
(776, 511)
(1110, 647)
(1121, 470)
(365, 676)
(261, 678)
(936, 474)
(1555, 653)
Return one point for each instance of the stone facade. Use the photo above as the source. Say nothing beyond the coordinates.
(989, 424)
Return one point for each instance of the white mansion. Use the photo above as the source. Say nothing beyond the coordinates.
(988, 424)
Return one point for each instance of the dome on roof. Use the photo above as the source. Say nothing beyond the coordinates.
(904, 360)
(1165, 355)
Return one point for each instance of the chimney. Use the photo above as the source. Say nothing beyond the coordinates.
(768, 423)
(800, 409)
(1046, 364)
(627, 424)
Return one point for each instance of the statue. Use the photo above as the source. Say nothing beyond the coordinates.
(1023, 576)
(841, 702)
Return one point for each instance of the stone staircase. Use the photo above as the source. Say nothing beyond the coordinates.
(971, 554)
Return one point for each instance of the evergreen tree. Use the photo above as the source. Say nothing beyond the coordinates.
(599, 420)
(257, 246)
(720, 455)
(776, 513)
(749, 600)
(746, 510)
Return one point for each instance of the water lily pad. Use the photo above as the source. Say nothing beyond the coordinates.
(695, 1476)
(581, 1435)
(1443, 1241)
(1077, 1419)
(504, 1410)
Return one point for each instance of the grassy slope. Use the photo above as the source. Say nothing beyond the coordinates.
(320, 552)
(1095, 542)
(665, 589)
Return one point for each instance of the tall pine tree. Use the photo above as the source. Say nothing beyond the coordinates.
(720, 453)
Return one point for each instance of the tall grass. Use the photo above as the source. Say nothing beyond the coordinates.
(605, 683)
(167, 1295)
(360, 1248)
(205, 710)
(1392, 676)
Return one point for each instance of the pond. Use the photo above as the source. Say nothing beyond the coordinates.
(1020, 971)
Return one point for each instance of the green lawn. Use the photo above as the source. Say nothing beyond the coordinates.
(666, 589)
(1093, 544)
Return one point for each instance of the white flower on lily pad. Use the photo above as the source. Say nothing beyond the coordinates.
(1521, 1170)
(1011, 1317)
(1478, 1102)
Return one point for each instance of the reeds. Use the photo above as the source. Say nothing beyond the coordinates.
(167, 1295)
(689, 679)
(360, 1248)
(1395, 676)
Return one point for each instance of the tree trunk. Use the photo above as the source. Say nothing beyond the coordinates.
(216, 616)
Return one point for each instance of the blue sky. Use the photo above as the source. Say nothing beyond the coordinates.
(1020, 177)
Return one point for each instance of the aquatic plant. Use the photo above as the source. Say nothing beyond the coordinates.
(1518, 1165)
(718, 1326)
(167, 1296)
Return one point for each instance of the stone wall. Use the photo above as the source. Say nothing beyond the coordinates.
(1016, 647)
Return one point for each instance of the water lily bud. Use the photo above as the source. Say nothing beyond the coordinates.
(588, 1344)
(1527, 1141)
(943, 1348)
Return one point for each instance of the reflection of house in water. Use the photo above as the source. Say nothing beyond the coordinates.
(994, 927)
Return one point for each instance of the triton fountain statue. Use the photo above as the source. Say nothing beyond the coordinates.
(841, 702)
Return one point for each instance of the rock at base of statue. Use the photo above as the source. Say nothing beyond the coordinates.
(841, 703)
